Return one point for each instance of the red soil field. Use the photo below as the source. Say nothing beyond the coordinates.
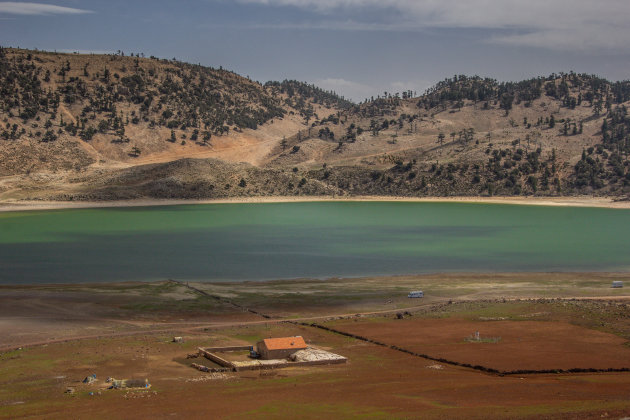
(536, 345)
(376, 382)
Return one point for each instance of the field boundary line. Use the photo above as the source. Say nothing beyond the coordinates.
(479, 368)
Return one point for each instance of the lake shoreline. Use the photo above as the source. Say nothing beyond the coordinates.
(580, 201)
(499, 276)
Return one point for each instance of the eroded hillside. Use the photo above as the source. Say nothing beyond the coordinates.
(103, 127)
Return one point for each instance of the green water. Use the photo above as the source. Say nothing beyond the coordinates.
(291, 240)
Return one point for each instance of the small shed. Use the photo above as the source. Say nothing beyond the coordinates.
(416, 294)
(617, 284)
(280, 348)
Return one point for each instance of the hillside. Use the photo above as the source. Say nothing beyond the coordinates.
(561, 135)
(127, 109)
(103, 127)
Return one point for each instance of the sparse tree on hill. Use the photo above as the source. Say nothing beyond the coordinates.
(441, 138)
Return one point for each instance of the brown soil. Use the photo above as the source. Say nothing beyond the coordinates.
(34, 316)
(530, 345)
(125, 331)
(377, 382)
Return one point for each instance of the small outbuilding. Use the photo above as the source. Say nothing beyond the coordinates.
(280, 348)
(617, 284)
(416, 294)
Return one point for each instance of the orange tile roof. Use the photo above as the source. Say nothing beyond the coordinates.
(285, 343)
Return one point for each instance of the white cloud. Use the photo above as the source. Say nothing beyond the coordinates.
(587, 37)
(575, 24)
(18, 8)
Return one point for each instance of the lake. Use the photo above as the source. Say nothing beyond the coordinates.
(228, 242)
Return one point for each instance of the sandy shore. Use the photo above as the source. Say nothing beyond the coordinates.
(583, 201)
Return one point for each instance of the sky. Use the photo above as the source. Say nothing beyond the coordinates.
(358, 48)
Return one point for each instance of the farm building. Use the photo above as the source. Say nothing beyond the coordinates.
(416, 294)
(617, 284)
(279, 348)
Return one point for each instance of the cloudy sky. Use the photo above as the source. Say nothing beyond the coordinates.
(359, 48)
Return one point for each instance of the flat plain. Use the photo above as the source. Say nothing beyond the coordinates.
(559, 342)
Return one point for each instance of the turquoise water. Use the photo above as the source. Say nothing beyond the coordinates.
(322, 239)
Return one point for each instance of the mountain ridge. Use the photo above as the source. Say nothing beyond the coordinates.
(71, 120)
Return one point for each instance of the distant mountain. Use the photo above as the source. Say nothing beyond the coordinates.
(106, 127)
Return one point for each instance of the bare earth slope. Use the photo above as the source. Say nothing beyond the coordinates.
(104, 127)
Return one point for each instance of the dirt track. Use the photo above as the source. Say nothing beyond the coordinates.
(195, 326)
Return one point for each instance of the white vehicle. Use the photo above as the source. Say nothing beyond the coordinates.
(416, 294)
(617, 284)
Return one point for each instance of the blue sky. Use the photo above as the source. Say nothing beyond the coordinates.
(359, 48)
